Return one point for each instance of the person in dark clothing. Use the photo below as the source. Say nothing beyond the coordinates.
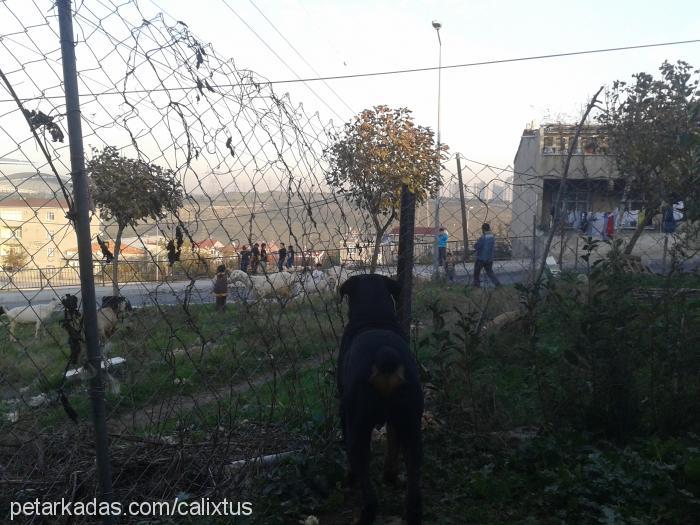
(254, 258)
(221, 288)
(450, 266)
(263, 257)
(485, 247)
(290, 256)
(281, 257)
(245, 258)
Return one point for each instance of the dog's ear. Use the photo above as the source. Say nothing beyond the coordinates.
(393, 286)
(346, 288)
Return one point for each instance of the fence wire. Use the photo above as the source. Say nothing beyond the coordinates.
(192, 390)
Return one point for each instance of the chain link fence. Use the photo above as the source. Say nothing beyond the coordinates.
(199, 397)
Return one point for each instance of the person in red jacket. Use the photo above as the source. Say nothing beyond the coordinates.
(610, 227)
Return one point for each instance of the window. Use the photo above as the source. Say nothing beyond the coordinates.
(11, 215)
(548, 145)
(7, 232)
(50, 252)
(573, 203)
(50, 216)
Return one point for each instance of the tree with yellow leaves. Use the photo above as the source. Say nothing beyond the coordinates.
(377, 152)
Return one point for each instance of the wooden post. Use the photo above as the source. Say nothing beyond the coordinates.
(405, 257)
(465, 222)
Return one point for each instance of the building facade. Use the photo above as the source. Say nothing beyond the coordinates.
(594, 191)
(39, 229)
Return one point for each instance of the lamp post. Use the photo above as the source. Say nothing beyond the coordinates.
(468, 209)
(436, 262)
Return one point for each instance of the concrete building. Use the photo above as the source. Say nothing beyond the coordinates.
(593, 189)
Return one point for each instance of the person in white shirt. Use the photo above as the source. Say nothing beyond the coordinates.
(317, 274)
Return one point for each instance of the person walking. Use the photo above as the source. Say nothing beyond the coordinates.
(485, 247)
(443, 237)
(290, 257)
(263, 257)
(281, 257)
(450, 266)
(254, 258)
(244, 254)
(220, 288)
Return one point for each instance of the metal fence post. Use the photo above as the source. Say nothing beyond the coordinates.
(404, 265)
(81, 219)
(463, 207)
(534, 246)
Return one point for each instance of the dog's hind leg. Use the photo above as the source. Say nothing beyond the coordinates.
(413, 453)
(391, 461)
(359, 463)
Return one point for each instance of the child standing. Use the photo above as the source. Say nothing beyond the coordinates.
(450, 266)
(221, 288)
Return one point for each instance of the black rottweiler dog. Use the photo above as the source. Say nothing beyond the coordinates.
(378, 383)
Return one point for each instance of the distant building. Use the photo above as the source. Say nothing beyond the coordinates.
(497, 192)
(508, 190)
(594, 189)
(483, 192)
(38, 227)
(209, 247)
(421, 235)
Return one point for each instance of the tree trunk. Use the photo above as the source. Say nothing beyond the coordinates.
(379, 229)
(648, 212)
(115, 262)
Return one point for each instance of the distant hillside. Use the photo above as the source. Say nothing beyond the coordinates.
(32, 184)
(318, 220)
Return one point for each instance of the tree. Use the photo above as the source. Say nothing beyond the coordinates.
(652, 127)
(129, 191)
(377, 152)
(15, 259)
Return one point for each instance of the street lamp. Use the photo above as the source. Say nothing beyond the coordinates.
(466, 248)
(436, 261)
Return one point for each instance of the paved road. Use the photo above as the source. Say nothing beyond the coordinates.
(140, 294)
(147, 294)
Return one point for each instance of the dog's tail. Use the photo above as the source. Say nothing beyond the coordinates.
(387, 371)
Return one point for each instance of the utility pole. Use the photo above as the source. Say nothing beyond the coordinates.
(405, 258)
(463, 207)
(436, 259)
(80, 217)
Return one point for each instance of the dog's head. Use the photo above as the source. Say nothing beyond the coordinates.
(117, 303)
(70, 303)
(372, 296)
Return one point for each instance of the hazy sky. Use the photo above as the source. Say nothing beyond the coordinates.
(485, 108)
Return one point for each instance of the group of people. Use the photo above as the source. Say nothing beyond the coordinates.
(484, 251)
(257, 256)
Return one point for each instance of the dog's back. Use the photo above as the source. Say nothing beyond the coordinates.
(380, 374)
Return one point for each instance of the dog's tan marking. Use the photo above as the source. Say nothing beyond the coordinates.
(385, 384)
